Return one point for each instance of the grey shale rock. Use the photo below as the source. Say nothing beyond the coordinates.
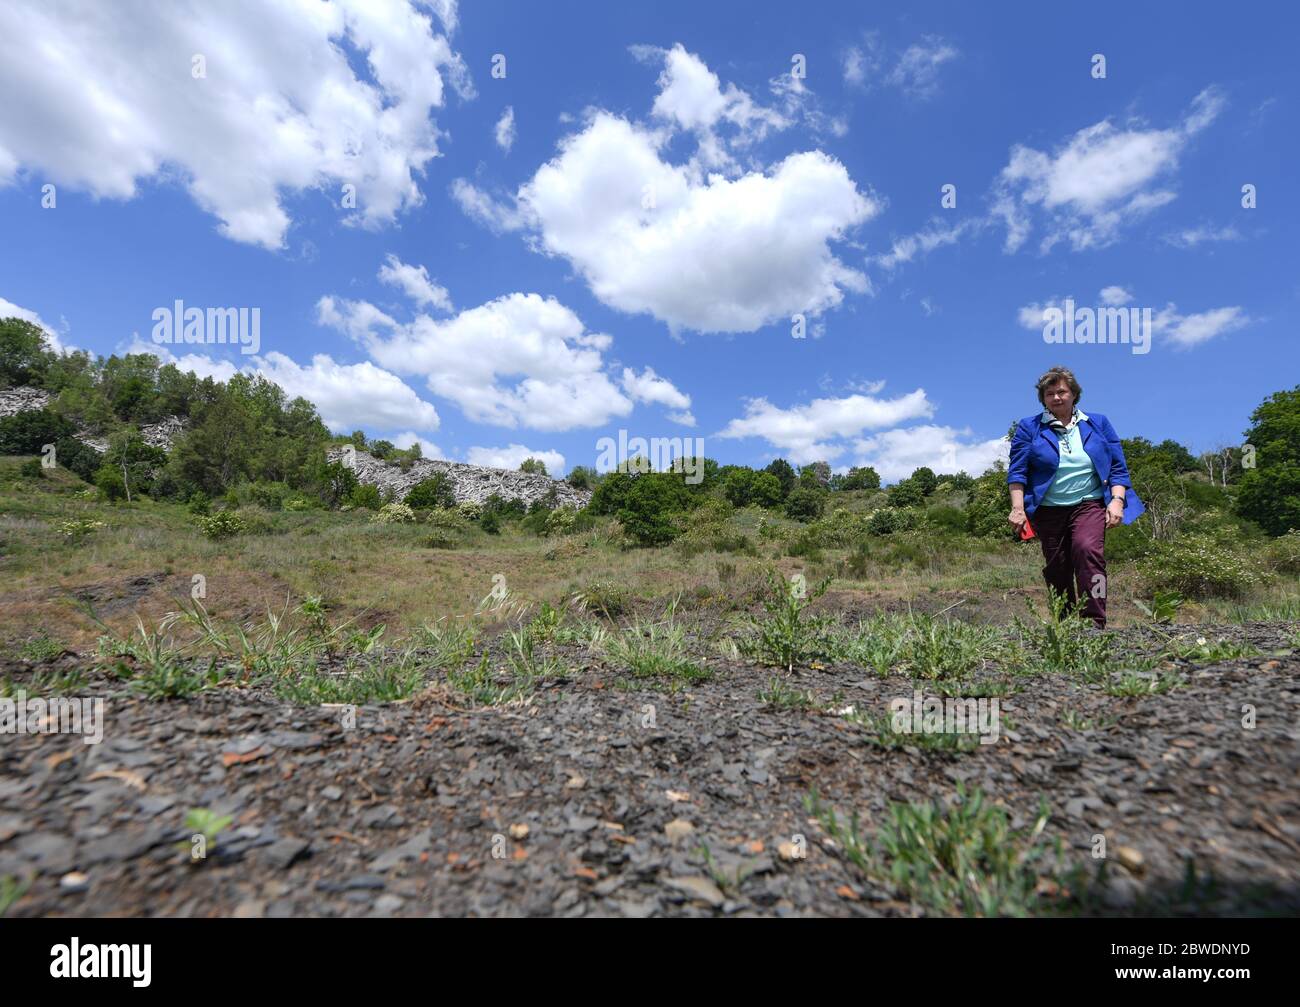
(470, 483)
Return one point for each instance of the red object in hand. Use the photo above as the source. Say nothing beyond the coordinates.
(1027, 532)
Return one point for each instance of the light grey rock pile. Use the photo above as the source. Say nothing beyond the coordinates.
(470, 483)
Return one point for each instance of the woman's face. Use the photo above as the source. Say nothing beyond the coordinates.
(1059, 398)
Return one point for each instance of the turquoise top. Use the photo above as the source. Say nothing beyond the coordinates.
(1076, 477)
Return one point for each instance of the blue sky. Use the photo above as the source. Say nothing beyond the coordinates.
(627, 248)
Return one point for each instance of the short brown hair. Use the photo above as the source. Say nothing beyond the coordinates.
(1054, 375)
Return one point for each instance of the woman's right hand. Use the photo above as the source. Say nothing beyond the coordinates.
(1017, 519)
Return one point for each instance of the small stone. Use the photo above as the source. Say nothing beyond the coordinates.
(284, 852)
(1131, 859)
(677, 829)
(699, 888)
(790, 851)
(331, 793)
(74, 881)
(519, 831)
(250, 909)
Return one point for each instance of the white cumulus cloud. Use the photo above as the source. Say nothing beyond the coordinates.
(106, 97)
(512, 455)
(817, 431)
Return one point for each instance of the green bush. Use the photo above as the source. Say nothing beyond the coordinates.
(428, 494)
(1283, 554)
(1198, 566)
(861, 478)
(805, 503)
(199, 505)
(490, 522)
(946, 517)
(1271, 497)
(110, 483)
(560, 521)
(653, 508)
(744, 487)
(990, 503)
(394, 513)
(222, 524)
(31, 469)
(888, 520)
(906, 494)
(26, 433)
(365, 495)
(79, 458)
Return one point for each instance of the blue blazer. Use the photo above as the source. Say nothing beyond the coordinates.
(1036, 453)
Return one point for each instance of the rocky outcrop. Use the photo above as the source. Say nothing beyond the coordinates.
(162, 434)
(22, 400)
(470, 483)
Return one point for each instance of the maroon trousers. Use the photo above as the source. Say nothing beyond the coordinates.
(1073, 541)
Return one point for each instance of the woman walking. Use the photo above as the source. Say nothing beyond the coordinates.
(1067, 471)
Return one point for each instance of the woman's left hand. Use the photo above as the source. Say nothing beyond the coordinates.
(1115, 513)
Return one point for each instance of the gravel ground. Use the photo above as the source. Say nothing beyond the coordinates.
(597, 800)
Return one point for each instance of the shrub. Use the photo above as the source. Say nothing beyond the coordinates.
(435, 491)
(784, 473)
(948, 518)
(1284, 553)
(906, 494)
(1198, 566)
(651, 508)
(469, 510)
(924, 479)
(31, 469)
(365, 495)
(533, 465)
(79, 458)
(490, 522)
(990, 503)
(888, 520)
(222, 524)
(581, 477)
(861, 478)
(805, 503)
(560, 521)
(1271, 497)
(394, 513)
(199, 504)
(708, 528)
(25, 433)
(743, 487)
(110, 483)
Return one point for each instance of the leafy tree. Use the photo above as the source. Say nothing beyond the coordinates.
(744, 487)
(581, 477)
(428, 494)
(137, 461)
(906, 493)
(382, 449)
(533, 465)
(805, 503)
(815, 474)
(24, 357)
(1269, 493)
(784, 473)
(861, 477)
(110, 483)
(651, 508)
(925, 480)
(25, 433)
